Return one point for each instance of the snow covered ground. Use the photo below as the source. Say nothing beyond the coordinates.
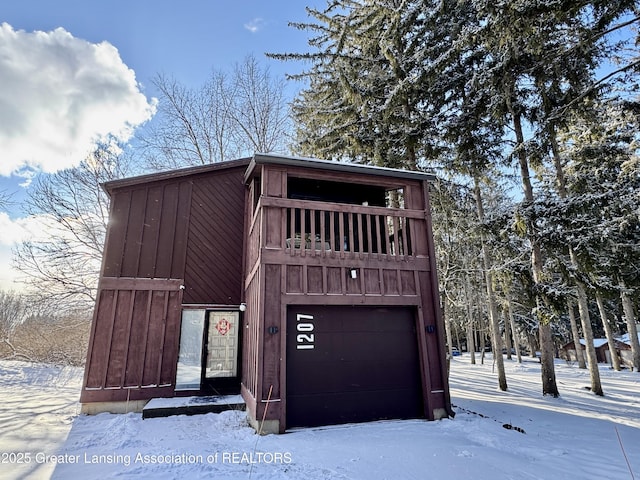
(576, 436)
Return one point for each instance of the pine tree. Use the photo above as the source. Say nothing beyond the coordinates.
(469, 86)
(366, 98)
(539, 52)
(603, 181)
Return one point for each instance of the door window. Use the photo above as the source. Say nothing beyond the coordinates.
(189, 370)
(209, 355)
(222, 345)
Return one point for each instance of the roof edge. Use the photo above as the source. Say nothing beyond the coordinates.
(307, 162)
(264, 159)
(172, 174)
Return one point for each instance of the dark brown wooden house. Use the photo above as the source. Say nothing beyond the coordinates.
(307, 286)
(601, 345)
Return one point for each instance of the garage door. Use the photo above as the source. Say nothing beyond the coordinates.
(351, 364)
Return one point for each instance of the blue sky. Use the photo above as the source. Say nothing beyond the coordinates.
(184, 38)
(71, 70)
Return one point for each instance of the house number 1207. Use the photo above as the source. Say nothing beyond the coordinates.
(305, 337)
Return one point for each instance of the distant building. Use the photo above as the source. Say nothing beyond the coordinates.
(601, 345)
(625, 349)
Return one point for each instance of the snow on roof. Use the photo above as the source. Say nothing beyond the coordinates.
(626, 338)
(597, 342)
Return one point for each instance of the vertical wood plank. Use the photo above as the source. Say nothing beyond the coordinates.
(167, 231)
(117, 359)
(100, 341)
(323, 233)
(370, 220)
(312, 229)
(332, 231)
(126, 342)
(144, 338)
(284, 234)
(116, 234)
(360, 232)
(135, 230)
(351, 227)
(181, 230)
(150, 233)
(387, 240)
(341, 234)
(171, 338)
(292, 229)
(110, 322)
(162, 337)
(379, 220)
(272, 314)
(303, 232)
(396, 237)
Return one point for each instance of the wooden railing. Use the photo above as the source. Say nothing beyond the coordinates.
(311, 228)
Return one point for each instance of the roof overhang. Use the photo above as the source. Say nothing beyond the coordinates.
(303, 162)
(173, 174)
(251, 163)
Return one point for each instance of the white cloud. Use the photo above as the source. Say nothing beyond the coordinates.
(59, 96)
(14, 230)
(254, 25)
(37, 228)
(8, 275)
(17, 230)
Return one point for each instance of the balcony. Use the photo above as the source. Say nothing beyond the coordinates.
(330, 248)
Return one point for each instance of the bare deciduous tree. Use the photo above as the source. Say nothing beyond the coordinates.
(28, 335)
(12, 312)
(5, 198)
(259, 109)
(55, 339)
(230, 116)
(61, 262)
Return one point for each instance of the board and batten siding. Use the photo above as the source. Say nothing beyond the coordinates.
(134, 340)
(291, 262)
(148, 229)
(188, 229)
(170, 242)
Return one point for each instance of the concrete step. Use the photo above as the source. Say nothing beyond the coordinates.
(166, 407)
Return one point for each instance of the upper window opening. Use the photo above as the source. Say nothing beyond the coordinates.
(336, 192)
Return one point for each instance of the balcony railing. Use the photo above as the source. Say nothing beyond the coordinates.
(311, 228)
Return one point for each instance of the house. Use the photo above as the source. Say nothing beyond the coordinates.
(624, 343)
(307, 286)
(602, 350)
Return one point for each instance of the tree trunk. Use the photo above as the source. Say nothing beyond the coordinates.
(533, 346)
(507, 333)
(447, 328)
(471, 341)
(512, 322)
(547, 360)
(447, 324)
(494, 320)
(583, 307)
(632, 328)
(613, 351)
(471, 344)
(576, 336)
(547, 366)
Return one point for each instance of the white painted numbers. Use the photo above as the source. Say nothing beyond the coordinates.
(305, 338)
